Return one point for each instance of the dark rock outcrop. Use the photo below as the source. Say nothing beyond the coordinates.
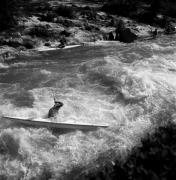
(29, 43)
(65, 33)
(48, 17)
(47, 44)
(111, 36)
(125, 34)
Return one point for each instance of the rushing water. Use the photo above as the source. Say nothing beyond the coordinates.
(129, 87)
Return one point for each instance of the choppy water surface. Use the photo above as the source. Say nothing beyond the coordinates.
(130, 87)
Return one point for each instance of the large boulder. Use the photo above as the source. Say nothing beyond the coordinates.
(111, 36)
(40, 31)
(126, 35)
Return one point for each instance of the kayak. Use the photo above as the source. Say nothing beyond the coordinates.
(45, 123)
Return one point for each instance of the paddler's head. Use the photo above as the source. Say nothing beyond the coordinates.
(58, 104)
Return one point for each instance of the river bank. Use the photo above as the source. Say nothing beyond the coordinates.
(53, 24)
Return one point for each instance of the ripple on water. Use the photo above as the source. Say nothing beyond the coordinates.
(131, 97)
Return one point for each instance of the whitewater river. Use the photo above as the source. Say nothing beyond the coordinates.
(130, 87)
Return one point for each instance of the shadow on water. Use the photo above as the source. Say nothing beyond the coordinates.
(154, 159)
(20, 98)
(113, 87)
(62, 56)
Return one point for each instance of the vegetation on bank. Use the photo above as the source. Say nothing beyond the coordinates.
(45, 21)
(146, 11)
(8, 11)
(65, 11)
(154, 6)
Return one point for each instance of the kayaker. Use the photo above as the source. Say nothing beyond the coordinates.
(55, 109)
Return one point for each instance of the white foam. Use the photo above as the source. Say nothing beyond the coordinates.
(130, 97)
(44, 71)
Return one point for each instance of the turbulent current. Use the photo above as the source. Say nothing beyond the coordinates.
(130, 87)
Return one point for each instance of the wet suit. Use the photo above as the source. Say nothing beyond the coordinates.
(54, 110)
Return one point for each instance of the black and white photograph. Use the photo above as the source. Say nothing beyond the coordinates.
(87, 89)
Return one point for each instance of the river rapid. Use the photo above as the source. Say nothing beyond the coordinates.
(130, 87)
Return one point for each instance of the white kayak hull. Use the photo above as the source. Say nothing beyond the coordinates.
(9, 121)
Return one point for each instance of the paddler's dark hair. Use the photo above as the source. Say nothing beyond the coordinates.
(58, 103)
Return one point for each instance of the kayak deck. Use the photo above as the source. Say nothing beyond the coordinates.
(9, 121)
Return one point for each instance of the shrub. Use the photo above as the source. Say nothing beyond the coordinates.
(130, 8)
(29, 44)
(42, 6)
(66, 11)
(121, 7)
(65, 33)
(40, 31)
(168, 8)
(47, 44)
(8, 11)
(49, 16)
